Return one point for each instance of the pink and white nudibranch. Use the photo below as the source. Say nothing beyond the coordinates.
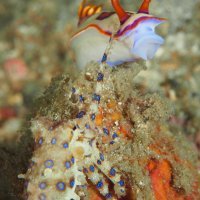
(134, 38)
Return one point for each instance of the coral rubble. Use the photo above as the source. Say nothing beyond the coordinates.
(98, 138)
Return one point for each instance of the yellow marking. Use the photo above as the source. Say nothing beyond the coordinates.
(91, 11)
(86, 11)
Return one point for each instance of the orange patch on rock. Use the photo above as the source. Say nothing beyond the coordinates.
(111, 104)
(161, 176)
(116, 116)
(99, 120)
(125, 130)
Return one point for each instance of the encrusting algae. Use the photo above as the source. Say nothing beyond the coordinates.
(113, 143)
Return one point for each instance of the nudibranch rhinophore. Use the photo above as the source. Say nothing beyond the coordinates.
(133, 34)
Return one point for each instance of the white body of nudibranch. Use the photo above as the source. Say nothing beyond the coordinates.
(134, 39)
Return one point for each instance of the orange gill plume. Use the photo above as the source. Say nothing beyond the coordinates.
(123, 16)
(144, 8)
(86, 11)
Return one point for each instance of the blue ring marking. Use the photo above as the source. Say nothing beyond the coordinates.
(122, 191)
(87, 126)
(121, 183)
(40, 141)
(101, 156)
(65, 145)
(112, 172)
(73, 90)
(96, 97)
(114, 136)
(98, 162)
(67, 164)
(48, 163)
(99, 184)
(80, 114)
(93, 117)
(73, 160)
(100, 76)
(81, 98)
(104, 58)
(112, 142)
(92, 168)
(42, 185)
(108, 196)
(60, 186)
(53, 141)
(72, 183)
(105, 130)
(42, 196)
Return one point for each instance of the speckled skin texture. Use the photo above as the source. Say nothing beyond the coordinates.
(67, 154)
(109, 145)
